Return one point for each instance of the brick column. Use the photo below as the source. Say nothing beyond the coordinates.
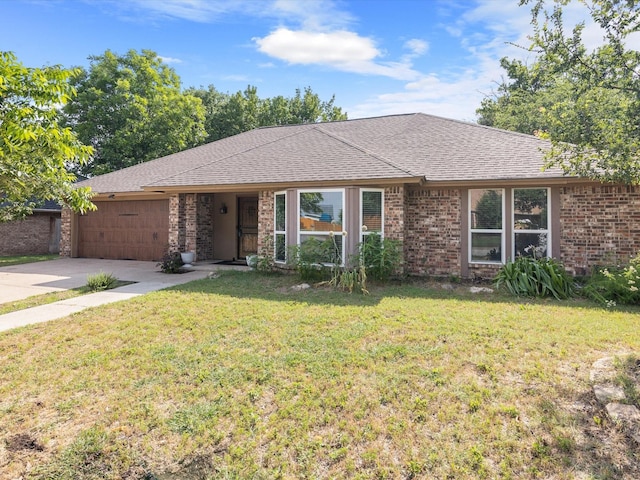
(65, 232)
(265, 222)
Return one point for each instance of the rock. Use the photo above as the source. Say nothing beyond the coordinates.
(602, 370)
(447, 286)
(302, 286)
(480, 290)
(608, 393)
(626, 414)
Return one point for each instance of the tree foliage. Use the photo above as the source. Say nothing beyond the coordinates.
(35, 150)
(585, 101)
(131, 109)
(227, 114)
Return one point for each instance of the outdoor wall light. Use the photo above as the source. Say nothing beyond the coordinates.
(223, 209)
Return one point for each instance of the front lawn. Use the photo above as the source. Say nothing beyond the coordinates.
(241, 377)
(20, 259)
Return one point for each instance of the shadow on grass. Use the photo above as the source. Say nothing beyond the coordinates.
(278, 287)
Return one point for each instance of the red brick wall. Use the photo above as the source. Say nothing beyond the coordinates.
(204, 234)
(265, 222)
(65, 232)
(31, 236)
(600, 225)
(432, 231)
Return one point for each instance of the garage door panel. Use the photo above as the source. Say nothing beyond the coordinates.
(137, 230)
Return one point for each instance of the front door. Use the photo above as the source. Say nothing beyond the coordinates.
(247, 226)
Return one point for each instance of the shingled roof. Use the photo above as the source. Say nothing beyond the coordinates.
(393, 148)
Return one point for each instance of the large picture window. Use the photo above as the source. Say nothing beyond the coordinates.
(486, 221)
(280, 227)
(531, 222)
(321, 220)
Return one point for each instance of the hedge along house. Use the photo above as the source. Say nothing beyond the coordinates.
(462, 198)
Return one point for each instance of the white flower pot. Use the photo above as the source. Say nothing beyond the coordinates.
(187, 258)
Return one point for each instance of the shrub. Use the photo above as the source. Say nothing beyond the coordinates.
(613, 285)
(530, 277)
(382, 257)
(312, 259)
(171, 263)
(101, 281)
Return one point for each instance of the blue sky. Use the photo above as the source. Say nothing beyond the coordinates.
(377, 56)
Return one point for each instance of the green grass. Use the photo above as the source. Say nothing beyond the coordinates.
(239, 377)
(20, 259)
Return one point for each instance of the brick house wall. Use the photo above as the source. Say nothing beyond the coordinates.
(265, 222)
(37, 234)
(191, 224)
(204, 236)
(600, 225)
(432, 231)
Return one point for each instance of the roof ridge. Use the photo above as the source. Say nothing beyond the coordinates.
(226, 157)
(362, 149)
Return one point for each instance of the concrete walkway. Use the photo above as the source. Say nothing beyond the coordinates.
(22, 281)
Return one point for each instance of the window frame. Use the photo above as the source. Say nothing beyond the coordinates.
(496, 231)
(321, 233)
(515, 231)
(363, 234)
(277, 232)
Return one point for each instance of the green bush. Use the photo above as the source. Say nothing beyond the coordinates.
(382, 257)
(101, 281)
(529, 277)
(171, 263)
(613, 285)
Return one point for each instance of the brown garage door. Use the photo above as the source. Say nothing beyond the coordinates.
(131, 230)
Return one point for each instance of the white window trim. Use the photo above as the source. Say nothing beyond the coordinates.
(275, 222)
(487, 230)
(302, 233)
(513, 220)
(362, 192)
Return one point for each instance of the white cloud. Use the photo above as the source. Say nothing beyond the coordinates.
(169, 60)
(342, 50)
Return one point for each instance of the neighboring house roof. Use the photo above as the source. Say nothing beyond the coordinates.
(395, 147)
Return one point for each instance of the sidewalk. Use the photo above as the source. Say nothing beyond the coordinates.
(55, 275)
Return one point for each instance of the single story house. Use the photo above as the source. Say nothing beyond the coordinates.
(463, 198)
(36, 234)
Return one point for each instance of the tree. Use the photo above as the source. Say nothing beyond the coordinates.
(35, 150)
(227, 115)
(586, 102)
(130, 108)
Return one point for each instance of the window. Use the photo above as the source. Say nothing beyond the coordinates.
(531, 222)
(371, 213)
(486, 214)
(280, 227)
(321, 217)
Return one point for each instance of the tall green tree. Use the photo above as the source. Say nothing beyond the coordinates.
(35, 150)
(131, 109)
(585, 101)
(228, 114)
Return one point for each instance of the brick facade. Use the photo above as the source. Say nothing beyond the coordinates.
(65, 232)
(265, 222)
(432, 231)
(37, 234)
(600, 225)
(191, 224)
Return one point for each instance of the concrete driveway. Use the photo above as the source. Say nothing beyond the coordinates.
(22, 281)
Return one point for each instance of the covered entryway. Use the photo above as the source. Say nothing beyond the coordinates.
(125, 230)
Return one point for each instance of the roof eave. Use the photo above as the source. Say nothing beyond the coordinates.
(252, 187)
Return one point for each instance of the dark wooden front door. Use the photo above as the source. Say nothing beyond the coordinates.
(247, 226)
